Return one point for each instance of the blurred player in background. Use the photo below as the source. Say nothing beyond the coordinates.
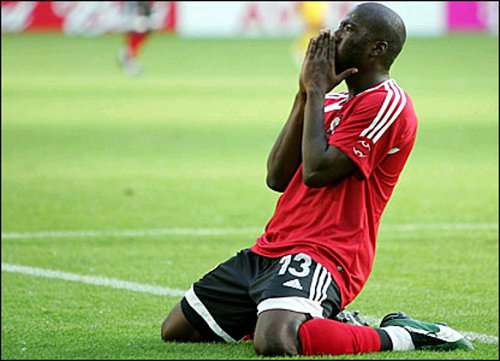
(337, 161)
(313, 15)
(138, 26)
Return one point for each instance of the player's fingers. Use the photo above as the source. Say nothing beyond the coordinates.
(320, 43)
(326, 43)
(347, 73)
(312, 46)
(331, 48)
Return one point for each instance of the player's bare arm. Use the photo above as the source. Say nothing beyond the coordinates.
(322, 163)
(285, 156)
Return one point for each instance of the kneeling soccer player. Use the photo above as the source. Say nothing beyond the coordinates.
(336, 160)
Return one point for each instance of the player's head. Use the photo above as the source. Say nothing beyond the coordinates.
(370, 34)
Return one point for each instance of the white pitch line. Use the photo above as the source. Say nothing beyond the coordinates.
(93, 280)
(440, 227)
(132, 233)
(409, 227)
(164, 291)
(489, 339)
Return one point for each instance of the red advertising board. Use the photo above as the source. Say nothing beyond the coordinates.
(78, 17)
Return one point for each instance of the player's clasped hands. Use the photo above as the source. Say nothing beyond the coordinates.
(318, 70)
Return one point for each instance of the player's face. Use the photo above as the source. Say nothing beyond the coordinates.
(351, 43)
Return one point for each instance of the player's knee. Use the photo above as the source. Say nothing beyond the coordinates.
(167, 333)
(276, 333)
(275, 344)
(177, 328)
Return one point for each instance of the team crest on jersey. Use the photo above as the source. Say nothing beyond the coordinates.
(362, 148)
(334, 124)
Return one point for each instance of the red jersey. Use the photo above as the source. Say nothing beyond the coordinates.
(337, 225)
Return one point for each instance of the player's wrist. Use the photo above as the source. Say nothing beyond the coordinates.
(315, 90)
(301, 95)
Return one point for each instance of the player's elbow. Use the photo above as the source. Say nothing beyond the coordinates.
(322, 175)
(312, 181)
(318, 179)
(275, 183)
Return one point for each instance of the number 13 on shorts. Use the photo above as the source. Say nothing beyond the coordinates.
(301, 266)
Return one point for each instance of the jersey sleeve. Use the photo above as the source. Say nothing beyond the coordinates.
(370, 131)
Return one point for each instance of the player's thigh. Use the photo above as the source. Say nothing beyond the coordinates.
(218, 306)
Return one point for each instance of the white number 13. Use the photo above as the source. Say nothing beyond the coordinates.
(305, 263)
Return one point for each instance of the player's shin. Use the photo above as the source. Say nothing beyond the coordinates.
(330, 337)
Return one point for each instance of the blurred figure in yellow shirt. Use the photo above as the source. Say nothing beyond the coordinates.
(313, 14)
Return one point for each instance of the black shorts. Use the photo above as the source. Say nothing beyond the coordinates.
(225, 303)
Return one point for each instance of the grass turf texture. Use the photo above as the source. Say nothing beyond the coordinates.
(86, 148)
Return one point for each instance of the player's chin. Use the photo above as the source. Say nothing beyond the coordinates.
(339, 68)
(339, 64)
(342, 65)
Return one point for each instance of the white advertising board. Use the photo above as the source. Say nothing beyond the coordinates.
(282, 18)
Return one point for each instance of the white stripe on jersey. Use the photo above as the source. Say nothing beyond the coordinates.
(385, 117)
(381, 112)
(381, 85)
(396, 114)
(332, 107)
(343, 94)
(395, 96)
(390, 111)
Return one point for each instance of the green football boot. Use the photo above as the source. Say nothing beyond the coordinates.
(428, 336)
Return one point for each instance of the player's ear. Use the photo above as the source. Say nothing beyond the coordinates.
(378, 48)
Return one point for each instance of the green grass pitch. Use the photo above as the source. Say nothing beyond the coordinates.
(154, 180)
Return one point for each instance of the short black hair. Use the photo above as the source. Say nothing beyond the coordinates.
(384, 24)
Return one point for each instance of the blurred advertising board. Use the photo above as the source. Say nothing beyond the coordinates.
(472, 16)
(283, 18)
(78, 17)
